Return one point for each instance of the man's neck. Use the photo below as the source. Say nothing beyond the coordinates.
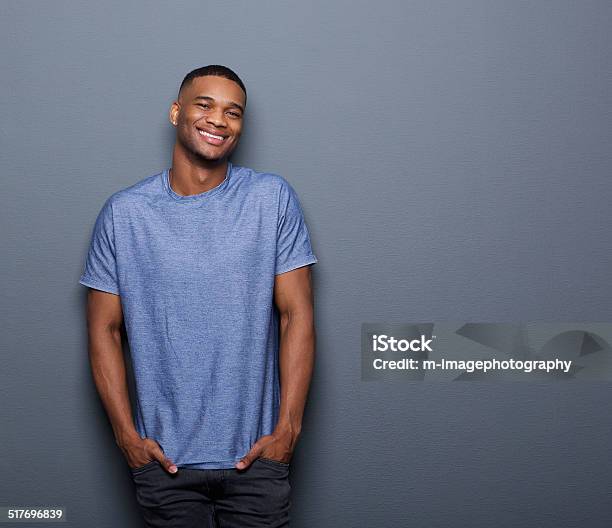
(186, 178)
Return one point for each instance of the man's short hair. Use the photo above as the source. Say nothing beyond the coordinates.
(213, 69)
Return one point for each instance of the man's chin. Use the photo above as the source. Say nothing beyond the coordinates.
(213, 159)
(210, 158)
(207, 156)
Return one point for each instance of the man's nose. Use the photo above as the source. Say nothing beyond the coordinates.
(217, 118)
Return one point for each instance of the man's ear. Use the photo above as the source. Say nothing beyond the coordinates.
(174, 110)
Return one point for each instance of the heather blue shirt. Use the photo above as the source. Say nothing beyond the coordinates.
(196, 276)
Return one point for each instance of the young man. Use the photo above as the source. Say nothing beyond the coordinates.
(207, 264)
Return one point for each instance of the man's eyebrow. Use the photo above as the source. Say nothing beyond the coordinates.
(208, 98)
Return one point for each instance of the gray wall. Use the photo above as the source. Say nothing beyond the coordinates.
(453, 162)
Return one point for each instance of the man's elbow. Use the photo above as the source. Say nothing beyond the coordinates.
(302, 316)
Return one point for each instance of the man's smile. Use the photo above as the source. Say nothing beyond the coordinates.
(213, 139)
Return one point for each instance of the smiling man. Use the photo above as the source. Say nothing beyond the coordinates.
(207, 266)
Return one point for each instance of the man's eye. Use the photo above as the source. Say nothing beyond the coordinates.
(234, 114)
(203, 105)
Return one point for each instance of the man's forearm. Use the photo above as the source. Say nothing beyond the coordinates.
(296, 357)
(108, 369)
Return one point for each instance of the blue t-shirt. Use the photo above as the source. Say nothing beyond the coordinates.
(196, 277)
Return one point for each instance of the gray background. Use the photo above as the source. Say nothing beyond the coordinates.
(453, 162)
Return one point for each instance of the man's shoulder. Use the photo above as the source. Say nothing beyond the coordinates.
(142, 189)
(262, 181)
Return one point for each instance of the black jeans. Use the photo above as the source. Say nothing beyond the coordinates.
(214, 498)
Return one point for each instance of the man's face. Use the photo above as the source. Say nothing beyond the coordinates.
(209, 105)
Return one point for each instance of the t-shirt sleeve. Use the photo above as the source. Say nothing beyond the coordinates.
(100, 270)
(293, 249)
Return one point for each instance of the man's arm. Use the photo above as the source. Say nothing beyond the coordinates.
(104, 321)
(294, 299)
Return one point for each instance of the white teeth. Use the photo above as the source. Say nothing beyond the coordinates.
(210, 135)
